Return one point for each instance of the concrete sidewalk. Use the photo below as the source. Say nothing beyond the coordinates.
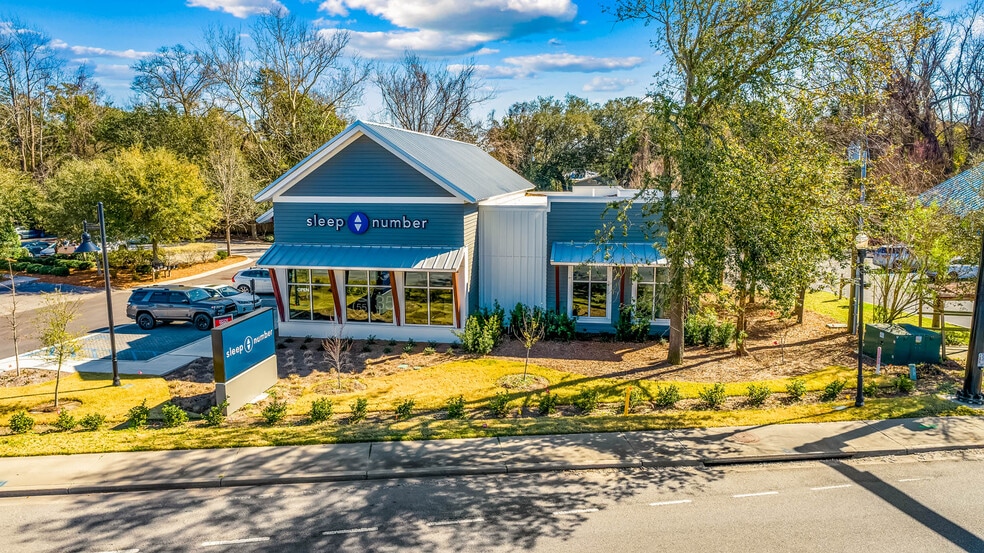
(210, 468)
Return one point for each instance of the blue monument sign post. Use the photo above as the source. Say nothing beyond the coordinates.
(245, 359)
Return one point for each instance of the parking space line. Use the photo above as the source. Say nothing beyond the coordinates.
(758, 494)
(575, 512)
(233, 542)
(677, 502)
(458, 521)
(837, 487)
(350, 531)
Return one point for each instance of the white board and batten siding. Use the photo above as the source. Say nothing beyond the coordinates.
(513, 252)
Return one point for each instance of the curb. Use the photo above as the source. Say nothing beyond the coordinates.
(236, 265)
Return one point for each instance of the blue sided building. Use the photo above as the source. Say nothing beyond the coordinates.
(401, 235)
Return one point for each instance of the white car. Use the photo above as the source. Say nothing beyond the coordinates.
(959, 269)
(245, 302)
(261, 278)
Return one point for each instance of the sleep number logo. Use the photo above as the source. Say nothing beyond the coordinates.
(358, 222)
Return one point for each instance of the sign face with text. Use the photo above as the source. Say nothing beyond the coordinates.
(244, 344)
(359, 223)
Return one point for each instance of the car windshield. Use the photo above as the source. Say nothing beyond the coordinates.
(227, 291)
(198, 294)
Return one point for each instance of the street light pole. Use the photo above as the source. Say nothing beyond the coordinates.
(971, 392)
(109, 296)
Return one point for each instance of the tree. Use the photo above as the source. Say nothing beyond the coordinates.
(11, 315)
(432, 99)
(336, 349)
(58, 343)
(146, 193)
(76, 116)
(718, 52)
(530, 330)
(229, 178)
(287, 89)
(20, 200)
(174, 77)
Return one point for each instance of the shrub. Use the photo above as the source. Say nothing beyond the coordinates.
(429, 351)
(392, 342)
(216, 414)
(221, 254)
(404, 409)
(757, 394)
(703, 329)
(322, 409)
(456, 407)
(559, 326)
(636, 397)
(832, 390)
(587, 399)
(85, 265)
(65, 422)
(630, 327)
(21, 422)
(408, 348)
(92, 422)
(796, 389)
(499, 405)
(387, 349)
(668, 396)
(723, 334)
(903, 384)
(59, 271)
(137, 416)
(275, 411)
(360, 409)
(870, 389)
(480, 334)
(712, 397)
(371, 340)
(947, 388)
(547, 403)
(173, 416)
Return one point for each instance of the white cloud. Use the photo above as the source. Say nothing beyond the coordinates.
(554, 42)
(113, 72)
(238, 8)
(129, 54)
(392, 44)
(502, 18)
(608, 84)
(573, 63)
(494, 71)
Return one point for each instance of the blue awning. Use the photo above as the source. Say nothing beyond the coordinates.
(336, 256)
(591, 253)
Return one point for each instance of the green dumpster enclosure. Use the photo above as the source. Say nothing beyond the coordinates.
(902, 344)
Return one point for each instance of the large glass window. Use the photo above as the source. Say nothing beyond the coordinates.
(309, 295)
(429, 298)
(652, 292)
(368, 297)
(589, 292)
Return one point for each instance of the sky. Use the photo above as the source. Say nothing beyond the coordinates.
(521, 48)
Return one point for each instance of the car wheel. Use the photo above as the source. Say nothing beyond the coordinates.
(953, 275)
(146, 321)
(203, 321)
(244, 288)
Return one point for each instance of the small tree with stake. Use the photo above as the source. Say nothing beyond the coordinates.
(57, 341)
(11, 316)
(530, 330)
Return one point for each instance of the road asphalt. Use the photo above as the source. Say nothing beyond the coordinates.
(212, 468)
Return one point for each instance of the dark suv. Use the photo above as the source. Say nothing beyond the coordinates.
(176, 303)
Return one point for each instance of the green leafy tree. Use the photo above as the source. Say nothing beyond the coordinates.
(58, 343)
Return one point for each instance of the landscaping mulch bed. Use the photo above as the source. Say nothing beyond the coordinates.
(93, 279)
(9, 379)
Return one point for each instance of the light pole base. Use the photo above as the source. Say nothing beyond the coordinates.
(973, 399)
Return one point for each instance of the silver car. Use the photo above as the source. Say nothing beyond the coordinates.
(245, 302)
(261, 278)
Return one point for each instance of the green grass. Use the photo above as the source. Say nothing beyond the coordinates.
(827, 304)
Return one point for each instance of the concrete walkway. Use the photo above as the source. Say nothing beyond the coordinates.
(210, 468)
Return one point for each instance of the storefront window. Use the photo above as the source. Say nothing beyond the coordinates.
(652, 292)
(309, 295)
(368, 297)
(589, 292)
(429, 298)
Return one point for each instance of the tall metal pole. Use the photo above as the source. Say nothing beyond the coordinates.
(859, 397)
(971, 392)
(109, 296)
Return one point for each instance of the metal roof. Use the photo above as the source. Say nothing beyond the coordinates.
(609, 253)
(337, 256)
(961, 193)
(465, 170)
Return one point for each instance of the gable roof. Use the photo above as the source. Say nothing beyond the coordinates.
(961, 193)
(464, 170)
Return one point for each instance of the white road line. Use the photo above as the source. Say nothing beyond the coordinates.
(837, 487)
(755, 494)
(121, 551)
(350, 531)
(233, 542)
(913, 479)
(677, 502)
(575, 512)
(459, 521)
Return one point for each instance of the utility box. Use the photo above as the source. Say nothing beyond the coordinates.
(901, 344)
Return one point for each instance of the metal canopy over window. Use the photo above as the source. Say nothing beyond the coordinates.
(604, 254)
(333, 256)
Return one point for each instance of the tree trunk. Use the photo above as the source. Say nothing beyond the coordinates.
(526, 366)
(252, 231)
(677, 311)
(742, 320)
(57, 382)
(228, 234)
(800, 305)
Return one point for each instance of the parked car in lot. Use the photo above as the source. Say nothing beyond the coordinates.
(35, 247)
(148, 306)
(259, 276)
(893, 257)
(245, 302)
(958, 269)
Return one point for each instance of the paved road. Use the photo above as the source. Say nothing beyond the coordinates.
(919, 503)
(92, 312)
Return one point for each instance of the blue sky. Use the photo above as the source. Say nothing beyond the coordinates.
(523, 48)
